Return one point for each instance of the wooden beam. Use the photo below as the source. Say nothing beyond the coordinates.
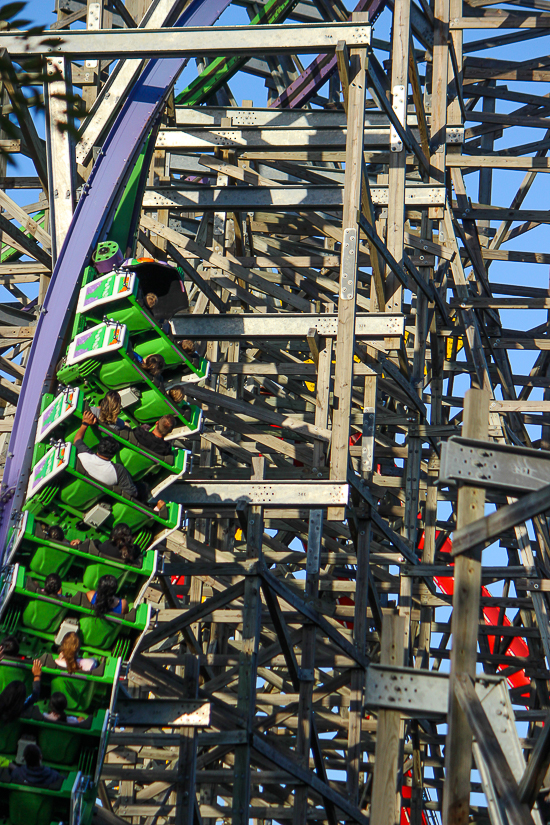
(348, 268)
(487, 742)
(465, 621)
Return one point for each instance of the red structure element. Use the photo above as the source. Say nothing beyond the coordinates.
(517, 647)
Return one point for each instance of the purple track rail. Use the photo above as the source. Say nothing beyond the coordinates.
(89, 225)
(308, 83)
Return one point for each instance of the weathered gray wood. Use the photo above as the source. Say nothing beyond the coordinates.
(348, 268)
(163, 43)
(248, 659)
(187, 761)
(465, 621)
(61, 158)
(537, 767)
(482, 532)
(386, 793)
(488, 744)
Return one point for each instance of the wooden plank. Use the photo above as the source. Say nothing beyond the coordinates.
(11, 236)
(248, 658)
(34, 144)
(465, 621)
(386, 793)
(348, 269)
(257, 411)
(484, 530)
(397, 167)
(187, 764)
(537, 767)
(507, 20)
(489, 746)
(61, 157)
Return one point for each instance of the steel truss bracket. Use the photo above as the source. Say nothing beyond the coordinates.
(193, 713)
(262, 493)
(515, 470)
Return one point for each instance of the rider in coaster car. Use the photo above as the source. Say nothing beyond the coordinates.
(105, 600)
(69, 659)
(14, 699)
(153, 365)
(102, 468)
(108, 409)
(100, 465)
(33, 772)
(52, 585)
(120, 545)
(56, 713)
(9, 647)
(153, 440)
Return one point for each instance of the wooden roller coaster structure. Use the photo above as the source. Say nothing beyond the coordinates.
(343, 614)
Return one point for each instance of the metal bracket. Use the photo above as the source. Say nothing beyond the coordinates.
(454, 134)
(367, 447)
(399, 106)
(348, 271)
(517, 470)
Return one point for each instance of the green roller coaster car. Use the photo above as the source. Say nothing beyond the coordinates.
(50, 617)
(58, 482)
(85, 692)
(62, 416)
(115, 295)
(42, 555)
(103, 358)
(71, 800)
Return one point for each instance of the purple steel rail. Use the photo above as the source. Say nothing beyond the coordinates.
(318, 72)
(92, 215)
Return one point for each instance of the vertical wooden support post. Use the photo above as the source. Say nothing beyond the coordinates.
(428, 556)
(439, 88)
(324, 367)
(137, 9)
(185, 808)
(94, 22)
(386, 793)
(369, 426)
(353, 754)
(345, 338)
(305, 703)
(412, 479)
(464, 628)
(248, 658)
(61, 158)
(417, 776)
(398, 154)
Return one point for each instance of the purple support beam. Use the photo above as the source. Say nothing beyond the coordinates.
(318, 72)
(90, 222)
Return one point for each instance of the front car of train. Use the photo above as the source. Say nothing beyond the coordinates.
(80, 527)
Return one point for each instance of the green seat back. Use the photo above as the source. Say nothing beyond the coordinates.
(136, 464)
(43, 616)
(9, 736)
(11, 674)
(50, 560)
(129, 314)
(59, 746)
(151, 406)
(117, 373)
(98, 632)
(79, 691)
(30, 807)
(160, 346)
(94, 572)
(79, 494)
(128, 514)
